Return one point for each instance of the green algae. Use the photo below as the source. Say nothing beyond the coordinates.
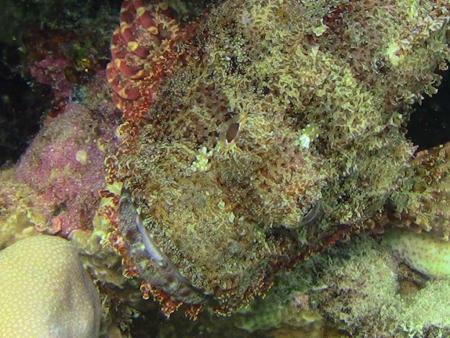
(422, 251)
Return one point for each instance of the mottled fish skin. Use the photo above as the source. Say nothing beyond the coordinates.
(261, 134)
(156, 268)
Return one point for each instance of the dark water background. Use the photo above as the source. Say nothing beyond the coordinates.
(25, 24)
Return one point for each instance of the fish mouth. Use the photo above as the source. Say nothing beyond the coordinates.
(153, 265)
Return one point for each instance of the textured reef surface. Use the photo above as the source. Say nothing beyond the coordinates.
(43, 280)
(248, 160)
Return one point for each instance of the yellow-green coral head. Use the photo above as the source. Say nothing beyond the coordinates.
(46, 292)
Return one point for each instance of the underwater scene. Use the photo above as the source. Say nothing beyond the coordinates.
(224, 168)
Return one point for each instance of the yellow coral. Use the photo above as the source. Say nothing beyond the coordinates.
(45, 291)
(21, 210)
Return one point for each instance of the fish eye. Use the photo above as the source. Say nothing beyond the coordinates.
(232, 132)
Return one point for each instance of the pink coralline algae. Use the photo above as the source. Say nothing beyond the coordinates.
(51, 71)
(64, 165)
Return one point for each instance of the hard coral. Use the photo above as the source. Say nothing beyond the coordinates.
(46, 292)
(261, 134)
(22, 211)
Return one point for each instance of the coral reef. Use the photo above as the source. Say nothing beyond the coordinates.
(54, 41)
(50, 71)
(46, 292)
(424, 202)
(22, 212)
(357, 289)
(422, 252)
(360, 292)
(64, 166)
(255, 135)
(353, 290)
